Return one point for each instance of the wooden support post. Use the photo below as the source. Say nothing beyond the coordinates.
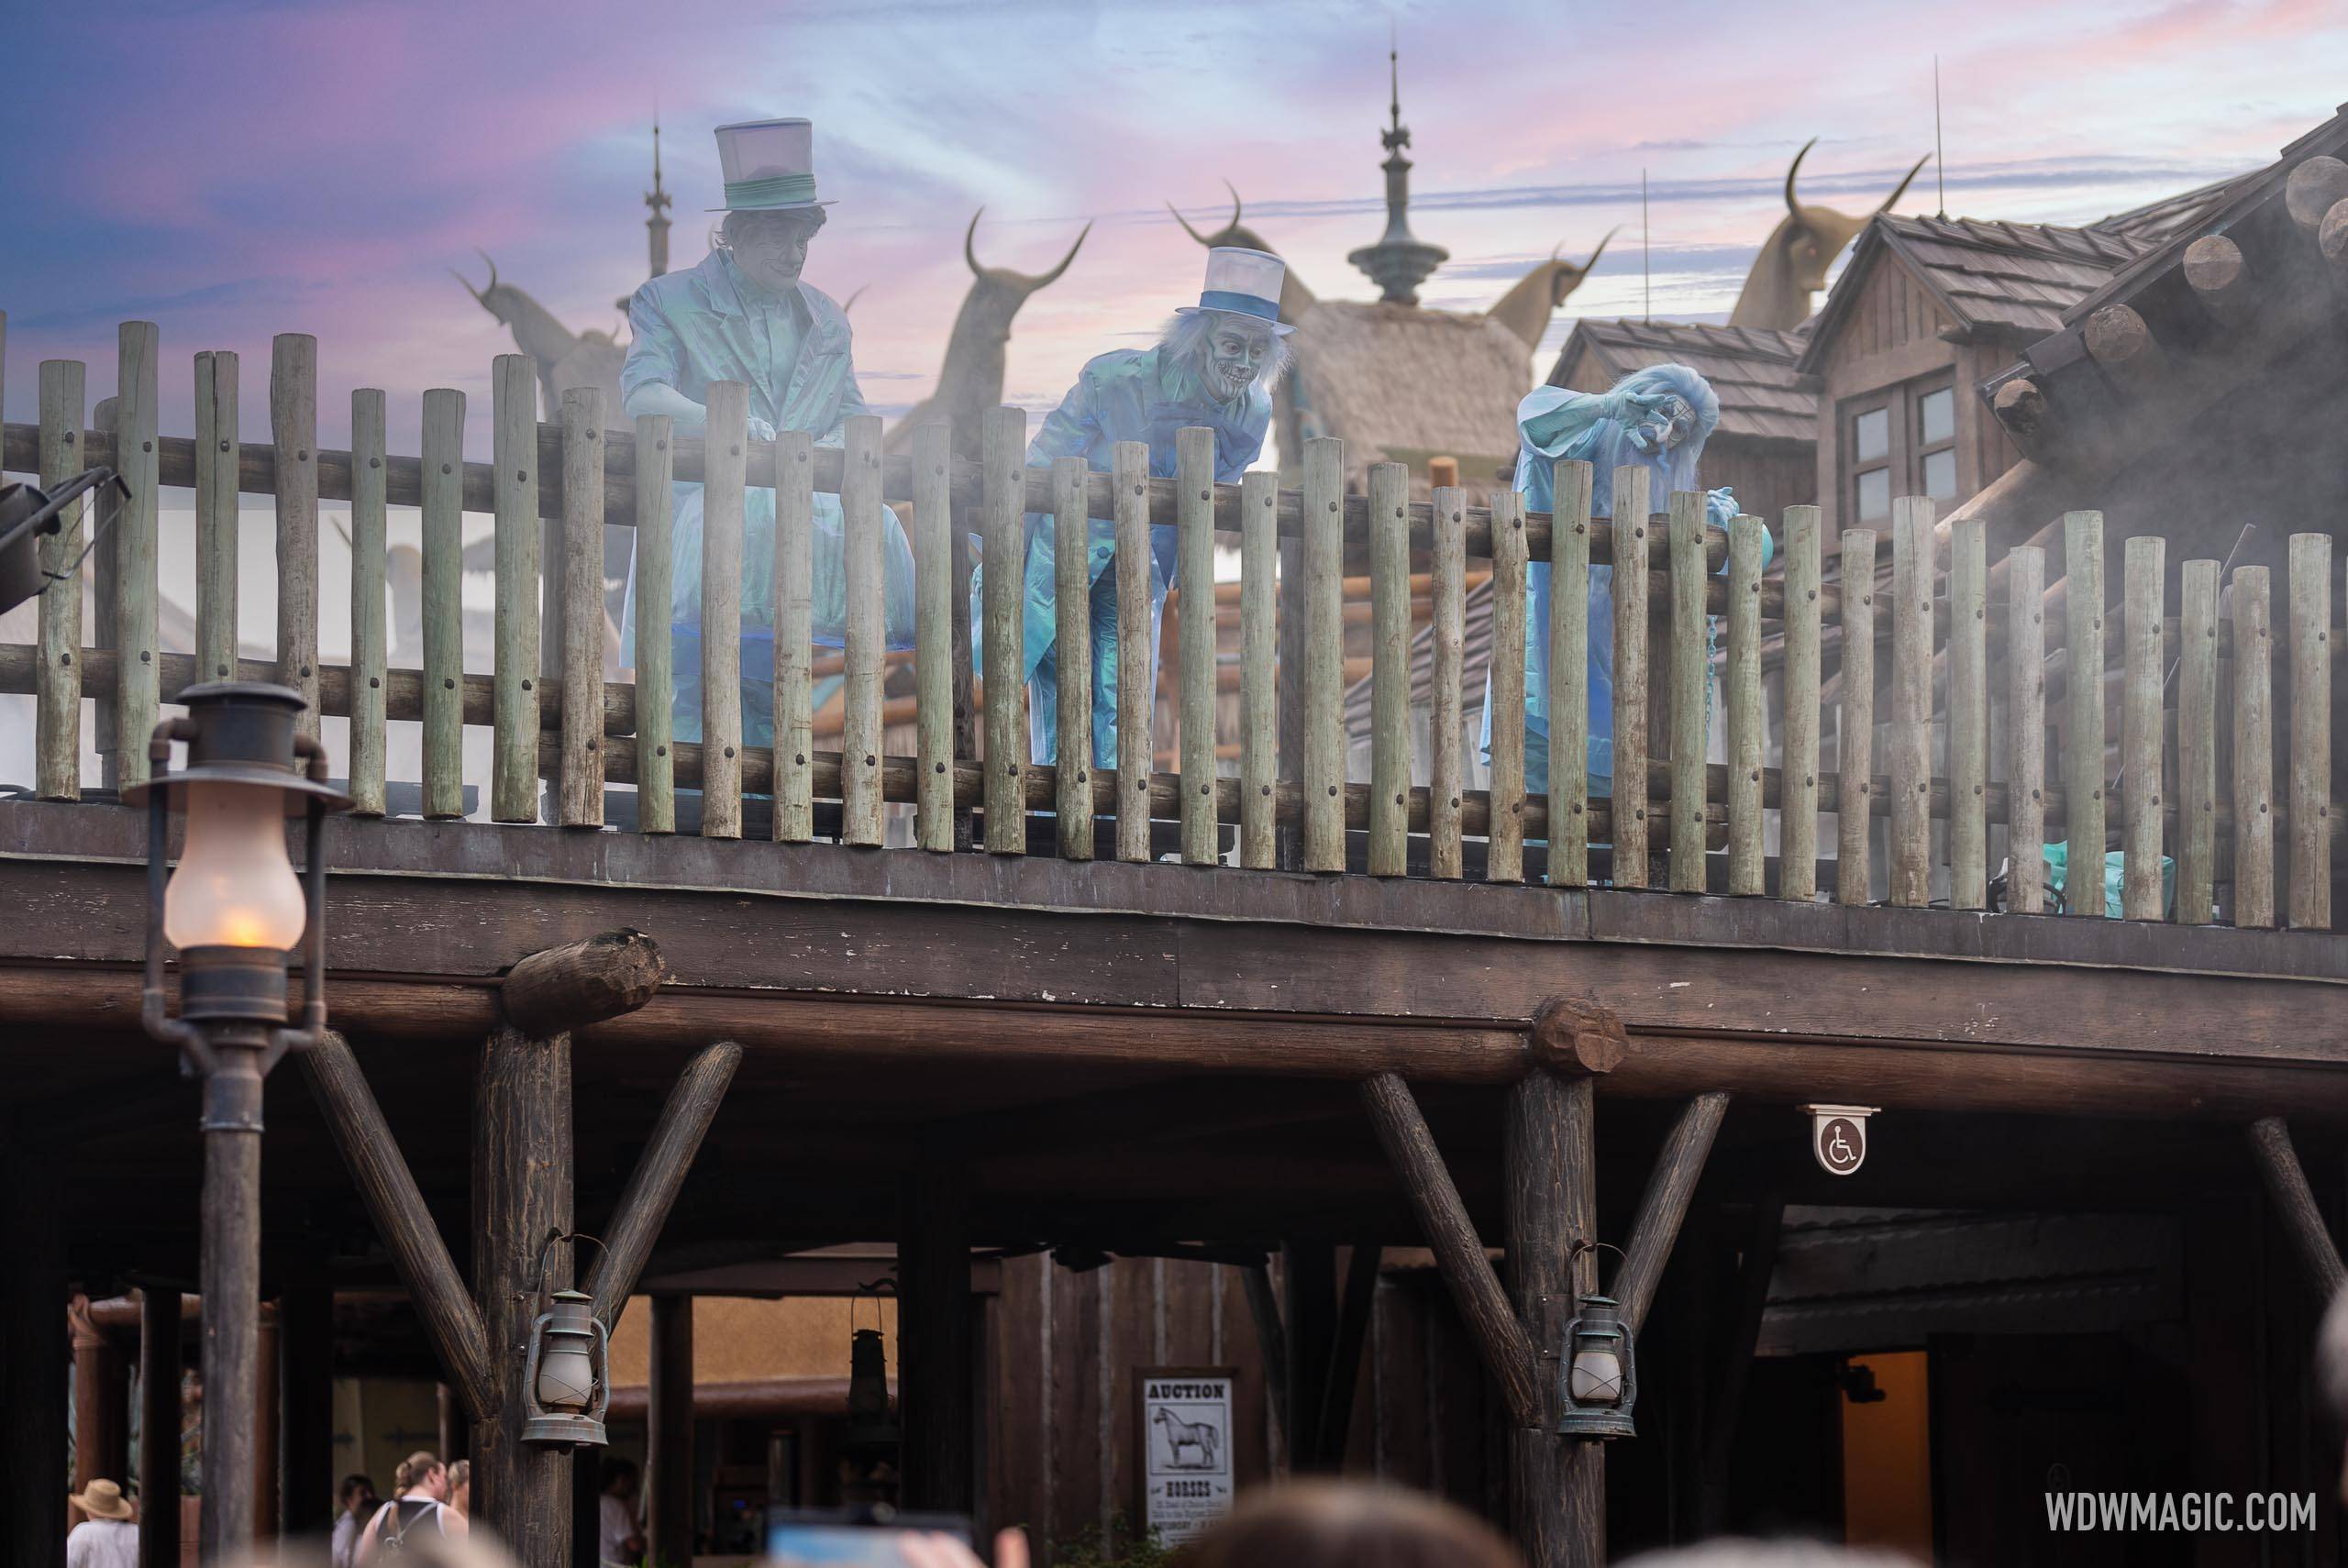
(513, 773)
(1136, 635)
(1260, 651)
(1968, 714)
(1630, 797)
(1728, 1400)
(216, 448)
(134, 549)
(2083, 774)
(669, 1437)
(934, 612)
(1688, 671)
(580, 790)
(1346, 1347)
(294, 425)
(1072, 628)
(936, 1345)
(1913, 569)
(1798, 804)
(2197, 743)
(794, 629)
(2145, 660)
(269, 1424)
(1504, 824)
(444, 630)
(1558, 1502)
(33, 1445)
(2295, 1205)
(725, 462)
(1320, 604)
(1390, 672)
(2310, 760)
(1662, 1207)
(305, 1501)
(1857, 734)
(1271, 1339)
(1747, 724)
(660, 1173)
(1004, 589)
(863, 816)
(104, 590)
(656, 674)
(101, 1399)
(369, 490)
(2253, 748)
(159, 1420)
(1308, 1295)
(57, 693)
(1568, 676)
(1195, 683)
(2026, 712)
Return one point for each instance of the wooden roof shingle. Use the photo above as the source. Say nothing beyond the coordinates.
(1752, 369)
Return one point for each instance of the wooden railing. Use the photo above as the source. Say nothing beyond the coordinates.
(552, 490)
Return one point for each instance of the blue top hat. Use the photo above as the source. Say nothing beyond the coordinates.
(1243, 283)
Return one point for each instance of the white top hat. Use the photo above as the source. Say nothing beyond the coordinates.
(769, 166)
(1243, 283)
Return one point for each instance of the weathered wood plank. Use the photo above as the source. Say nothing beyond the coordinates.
(1389, 670)
(1504, 826)
(2197, 743)
(2253, 780)
(862, 818)
(1856, 739)
(294, 427)
(1629, 828)
(933, 583)
(1072, 626)
(1569, 827)
(1747, 725)
(2295, 1205)
(1004, 588)
(57, 695)
(2310, 760)
(1913, 566)
(579, 790)
(2144, 657)
(1798, 811)
(1968, 714)
(368, 672)
(444, 632)
(136, 609)
(514, 742)
(2026, 710)
(1322, 606)
(1557, 1501)
(1259, 653)
(1691, 677)
(723, 517)
(656, 675)
(1195, 686)
(795, 630)
(216, 507)
(2083, 731)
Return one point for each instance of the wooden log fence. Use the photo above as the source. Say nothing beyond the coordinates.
(1708, 737)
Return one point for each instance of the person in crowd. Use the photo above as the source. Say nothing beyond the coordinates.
(460, 1488)
(1347, 1524)
(1730, 1552)
(418, 1509)
(621, 1542)
(356, 1498)
(1215, 366)
(744, 314)
(108, 1536)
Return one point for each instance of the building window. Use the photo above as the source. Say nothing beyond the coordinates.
(1900, 441)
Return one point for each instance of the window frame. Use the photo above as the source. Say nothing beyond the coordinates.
(1903, 404)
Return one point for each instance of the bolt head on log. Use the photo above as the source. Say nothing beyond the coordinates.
(2314, 187)
(1577, 1035)
(579, 983)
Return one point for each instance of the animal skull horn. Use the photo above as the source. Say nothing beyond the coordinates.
(1028, 284)
(479, 295)
(1053, 276)
(1193, 233)
(1793, 206)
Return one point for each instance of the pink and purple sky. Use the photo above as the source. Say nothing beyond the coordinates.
(235, 168)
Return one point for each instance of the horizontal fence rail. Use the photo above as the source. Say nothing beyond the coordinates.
(1911, 699)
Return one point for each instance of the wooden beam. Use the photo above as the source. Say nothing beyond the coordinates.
(1728, 1400)
(1308, 1295)
(2313, 188)
(2021, 408)
(2295, 1205)
(2333, 237)
(2214, 268)
(561, 988)
(1271, 1336)
(304, 1460)
(33, 1443)
(659, 1172)
(397, 1204)
(1345, 1355)
(1557, 1501)
(101, 1399)
(669, 1438)
(1501, 1340)
(936, 1349)
(2120, 341)
(160, 1426)
(1664, 1205)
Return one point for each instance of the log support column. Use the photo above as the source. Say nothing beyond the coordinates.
(307, 1480)
(669, 1443)
(936, 1349)
(32, 1359)
(159, 1426)
(100, 1401)
(2295, 1205)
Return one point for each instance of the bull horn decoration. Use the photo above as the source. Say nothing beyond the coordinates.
(1193, 233)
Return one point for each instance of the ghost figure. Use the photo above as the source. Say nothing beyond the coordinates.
(1214, 366)
(743, 315)
(1659, 418)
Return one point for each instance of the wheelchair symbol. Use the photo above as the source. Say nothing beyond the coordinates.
(1842, 1144)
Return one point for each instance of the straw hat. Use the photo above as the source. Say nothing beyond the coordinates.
(101, 1500)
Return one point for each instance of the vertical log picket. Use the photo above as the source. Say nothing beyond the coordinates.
(1258, 632)
(139, 670)
(1447, 768)
(2254, 737)
(1912, 701)
(1323, 609)
(1194, 569)
(57, 685)
(100, 602)
(1569, 675)
(1968, 714)
(725, 469)
(514, 500)
(1852, 831)
(1690, 675)
(656, 676)
(2026, 709)
(293, 425)
(2311, 805)
(1136, 635)
(1072, 630)
(216, 513)
(2143, 655)
(2083, 780)
(2197, 743)
(1798, 788)
(1002, 590)
(443, 503)
(1628, 578)
(1746, 723)
(582, 608)
(1389, 669)
(934, 584)
(1505, 834)
(794, 630)
(863, 817)
(370, 488)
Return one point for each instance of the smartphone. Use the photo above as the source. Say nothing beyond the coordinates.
(851, 1537)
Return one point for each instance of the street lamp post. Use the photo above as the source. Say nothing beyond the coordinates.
(234, 910)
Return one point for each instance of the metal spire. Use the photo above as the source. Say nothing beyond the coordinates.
(1399, 261)
(657, 226)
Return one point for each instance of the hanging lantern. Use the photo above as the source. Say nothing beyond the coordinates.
(1601, 1381)
(871, 1419)
(567, 1385)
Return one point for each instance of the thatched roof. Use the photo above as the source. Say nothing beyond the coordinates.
(1401, 384)
(1751, 369)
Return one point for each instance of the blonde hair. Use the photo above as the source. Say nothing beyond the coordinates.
(412, 1470)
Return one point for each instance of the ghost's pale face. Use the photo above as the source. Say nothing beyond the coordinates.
(1664, 428)
(771, 247)
(1237, 347)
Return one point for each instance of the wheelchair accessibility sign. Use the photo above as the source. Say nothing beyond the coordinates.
(1838, 1136)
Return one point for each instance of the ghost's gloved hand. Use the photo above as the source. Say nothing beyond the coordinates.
(760, 430)
(1628, 407)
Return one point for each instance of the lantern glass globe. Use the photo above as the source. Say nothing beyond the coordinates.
(235, 886)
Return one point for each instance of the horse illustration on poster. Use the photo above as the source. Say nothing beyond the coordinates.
(1191, 1445)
